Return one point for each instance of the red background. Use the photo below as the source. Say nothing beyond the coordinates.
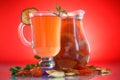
(101, 24)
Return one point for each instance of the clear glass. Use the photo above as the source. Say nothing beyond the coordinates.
(45, 28)
(74, 44)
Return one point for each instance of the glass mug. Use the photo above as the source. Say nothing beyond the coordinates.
(75, 49)
(45, 28)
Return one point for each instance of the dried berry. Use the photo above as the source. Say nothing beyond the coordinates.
(23, 73)
(36, 71)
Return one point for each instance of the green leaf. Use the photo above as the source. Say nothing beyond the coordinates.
(55, 13)
(37, 57)
(37, 64)
(64, 11)
(18, 67)
(58, 8)
(15, 69)
(29, 66)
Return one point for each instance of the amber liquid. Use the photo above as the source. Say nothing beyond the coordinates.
(46, 35)
(74, 47)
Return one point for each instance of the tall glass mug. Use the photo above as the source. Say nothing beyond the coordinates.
(45, 28)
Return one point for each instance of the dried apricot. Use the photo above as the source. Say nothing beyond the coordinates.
(85, 71)
(23, 73)
(36, 71)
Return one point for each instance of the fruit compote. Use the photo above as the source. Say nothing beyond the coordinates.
(74, 46)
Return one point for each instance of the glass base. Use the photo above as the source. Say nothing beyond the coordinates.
(47, 63)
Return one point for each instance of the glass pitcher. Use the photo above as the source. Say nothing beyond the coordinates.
(74, 45)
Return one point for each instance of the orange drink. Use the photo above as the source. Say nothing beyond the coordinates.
(45, 28)
(46, 35)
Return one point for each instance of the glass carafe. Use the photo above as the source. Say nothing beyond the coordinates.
(74, 45)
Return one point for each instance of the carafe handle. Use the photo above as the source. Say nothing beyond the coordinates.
(21, 35)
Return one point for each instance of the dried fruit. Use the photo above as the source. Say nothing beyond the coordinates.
(25, 15)
(70, 74)
(85, 71)
(50, 71)
(104, 72)
(23, 73)
(55, 73)
(36, 71)
(70, 70)
(101, 71)
(79, 67)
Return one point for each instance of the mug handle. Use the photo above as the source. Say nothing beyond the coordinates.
(21, 35)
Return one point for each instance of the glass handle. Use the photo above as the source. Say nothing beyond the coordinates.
(21, 35)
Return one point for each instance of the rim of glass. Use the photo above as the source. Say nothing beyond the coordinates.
(78, 14)
(42, 13)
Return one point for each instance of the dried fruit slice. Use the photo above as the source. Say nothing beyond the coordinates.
(25, 15)
(105, 71)
(101, 71)
(70, 74)
(57, 74)
(50, 71)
